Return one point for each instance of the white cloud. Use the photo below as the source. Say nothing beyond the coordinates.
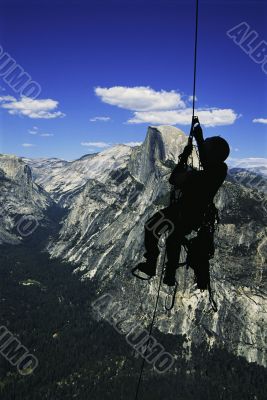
(162, 107)
(34, 130)
(32, 108)
(132, 144)
(209, 117)
(28, 145)
(104, 145)
(100, 145)
(260, 120)
(104, 119)
(4, 99)
(140, 98)
(217, 117)
(191, 98)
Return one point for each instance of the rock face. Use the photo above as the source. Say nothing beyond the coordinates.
(116, 207)
(63, 179)
(109, 196)
(22, 201)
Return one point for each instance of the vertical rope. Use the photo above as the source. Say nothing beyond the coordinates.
(151, 328)
(195, 59)
(190, 138)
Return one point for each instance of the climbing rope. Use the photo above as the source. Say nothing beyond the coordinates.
(151, 328)
(190, 139)
(194, 118)
(195, 60)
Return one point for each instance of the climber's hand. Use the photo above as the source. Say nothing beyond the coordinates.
(187, 151)
(197, 132)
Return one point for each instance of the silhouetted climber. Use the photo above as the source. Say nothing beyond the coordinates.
(191, 211)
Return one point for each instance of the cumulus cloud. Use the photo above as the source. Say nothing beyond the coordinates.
(162, 107)
(260, 120)
(140, 98)
(28, 145)
(46, 134)
(104, 119)
(32, 108)
(100, 145)
(208, 117)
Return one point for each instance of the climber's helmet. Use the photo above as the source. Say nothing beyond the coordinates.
(216, 149)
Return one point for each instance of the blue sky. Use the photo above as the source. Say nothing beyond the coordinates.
(109, 68)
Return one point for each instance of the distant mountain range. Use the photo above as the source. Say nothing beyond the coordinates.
(257, 165)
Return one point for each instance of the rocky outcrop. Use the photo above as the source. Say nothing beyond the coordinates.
(23, 202)
(63, 180)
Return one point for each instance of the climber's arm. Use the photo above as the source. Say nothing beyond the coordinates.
(198, 135)
(179, 174)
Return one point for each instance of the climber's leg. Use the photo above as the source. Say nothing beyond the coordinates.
(173, 249)
(157, 225)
